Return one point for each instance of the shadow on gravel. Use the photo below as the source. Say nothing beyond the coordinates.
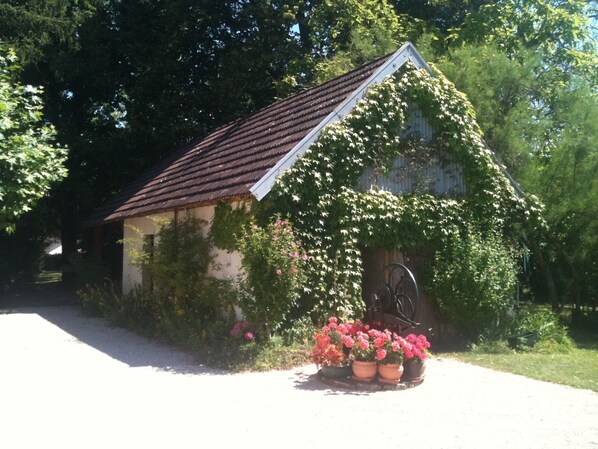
(121, 344)
(56, 305)
(40, 294)
(310, 382)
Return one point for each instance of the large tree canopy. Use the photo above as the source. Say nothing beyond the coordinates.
(126, 82)
(29, 160)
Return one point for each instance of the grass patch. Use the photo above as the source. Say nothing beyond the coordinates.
(576, 367)
(48, 276)
(274, 354)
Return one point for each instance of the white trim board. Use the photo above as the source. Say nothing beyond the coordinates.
(406, 53)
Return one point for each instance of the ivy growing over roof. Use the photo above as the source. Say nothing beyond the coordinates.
(335, 220)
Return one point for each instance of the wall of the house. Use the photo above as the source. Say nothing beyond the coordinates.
(437, 176)
(226, 264)
(132, 274)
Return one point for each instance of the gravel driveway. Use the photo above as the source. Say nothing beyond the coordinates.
(68, 381)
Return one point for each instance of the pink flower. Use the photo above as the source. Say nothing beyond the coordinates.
(278, 271)
(347, 341)
(363, 344)
(304, 257)
(333, 319)
(248, 336)
(381, 354)
(379, 342)
(236, 330)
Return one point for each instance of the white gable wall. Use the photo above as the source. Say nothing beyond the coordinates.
(226, 264)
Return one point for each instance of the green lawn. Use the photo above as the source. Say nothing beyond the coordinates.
(577, 368)
(48, 276)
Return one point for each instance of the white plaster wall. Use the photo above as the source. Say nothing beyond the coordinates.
(145, 225)
(226, 264)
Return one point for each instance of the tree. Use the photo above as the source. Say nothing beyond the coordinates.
(559, 31)
(30, 162)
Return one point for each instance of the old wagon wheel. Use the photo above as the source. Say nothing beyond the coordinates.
(394, 304)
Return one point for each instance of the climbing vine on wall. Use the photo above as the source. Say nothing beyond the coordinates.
(228, 224)
(334, 219)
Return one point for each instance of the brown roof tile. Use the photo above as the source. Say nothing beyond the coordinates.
(231, 159)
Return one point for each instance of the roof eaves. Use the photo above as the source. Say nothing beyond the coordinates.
(406, 53)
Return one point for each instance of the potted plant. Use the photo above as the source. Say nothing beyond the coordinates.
(415, 352)
(363, 353)
(389, 354)
(329, 352)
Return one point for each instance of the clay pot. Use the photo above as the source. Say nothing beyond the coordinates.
(364, 371)
(390, 372)
(414, 370)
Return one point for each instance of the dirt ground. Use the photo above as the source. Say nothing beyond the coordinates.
(69, 381)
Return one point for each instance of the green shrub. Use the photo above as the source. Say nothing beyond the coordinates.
(100, 300)
(473, 282)
(227, 226)
(552, 334)
(494, 346)
(274, 263)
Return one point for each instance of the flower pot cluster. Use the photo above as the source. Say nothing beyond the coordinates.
(353, 349)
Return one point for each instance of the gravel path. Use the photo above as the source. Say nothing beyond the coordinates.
(68, 381)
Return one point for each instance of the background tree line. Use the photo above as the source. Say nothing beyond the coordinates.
(125, 82)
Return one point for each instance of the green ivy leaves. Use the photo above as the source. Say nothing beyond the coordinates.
(334, 219)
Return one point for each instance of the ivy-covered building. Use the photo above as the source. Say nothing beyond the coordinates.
(379, 164)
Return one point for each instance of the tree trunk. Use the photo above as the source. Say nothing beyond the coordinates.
(575, 287)
(546, 272)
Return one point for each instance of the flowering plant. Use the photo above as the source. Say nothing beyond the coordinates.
(242, 329)
(416, 348)
(389, 346)
(334, 341)
(329, 344)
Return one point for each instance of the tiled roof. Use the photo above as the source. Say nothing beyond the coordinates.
(230, 160)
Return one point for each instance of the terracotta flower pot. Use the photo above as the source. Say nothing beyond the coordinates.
(364, 371)
(390, 372)
(414, 370)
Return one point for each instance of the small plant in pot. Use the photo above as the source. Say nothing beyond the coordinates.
(329, 352)
(363, 353)
(389, 354)
(416, 353)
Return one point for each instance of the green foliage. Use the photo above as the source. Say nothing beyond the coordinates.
(349, 33)
(180, 261)
(474, 280)
(181, 303)
(500, 89)
(259, 355)
(228, 225)
(99, 300)
(187, 302)
(273, 261)
(333, 218)
(36, 24)
(544, 322)
(558, 31)
(29, 161)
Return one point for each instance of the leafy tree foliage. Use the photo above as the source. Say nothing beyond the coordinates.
(126, 82)
(29, 161)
